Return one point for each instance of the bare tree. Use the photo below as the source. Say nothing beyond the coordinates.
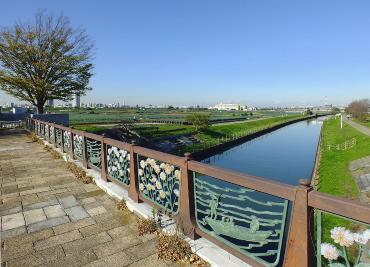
(359, 108)
(47, 59)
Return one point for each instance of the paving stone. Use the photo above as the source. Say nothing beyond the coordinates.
(25, 238)
(34, 216)
(35, 190)
(57, 240)
(80, 258)
(96, 211)
(68, 202)
(12, 221)
(54, 211)
(48, 223)
(86, 243)
(37, 258)
(13, 232)
(152, 261)
(42, 204)
(73, 225)
(116, 260)
(116, 245)
(120, 231)
(142, 251)
(11, 211)
(17, 251)
(76, 213)
(88, 200)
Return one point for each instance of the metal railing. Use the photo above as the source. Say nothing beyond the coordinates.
(10, 124)
(263, 222)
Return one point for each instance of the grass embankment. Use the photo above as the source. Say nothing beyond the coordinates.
(335, 177)
(220, 133)
(366, 122)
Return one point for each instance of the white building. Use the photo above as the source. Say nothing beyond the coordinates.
(51, 103)
(76, 101)
(229, 106)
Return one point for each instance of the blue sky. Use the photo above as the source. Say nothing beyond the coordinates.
(202, 52)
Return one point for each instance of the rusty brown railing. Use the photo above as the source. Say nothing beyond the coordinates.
(181, 192)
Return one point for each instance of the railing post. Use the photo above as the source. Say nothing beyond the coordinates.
(186, 217)
(84, 151)
(103, 159)
(133, 192)
(54, 135)
(71, 143)
(300, 250)
(62, 140)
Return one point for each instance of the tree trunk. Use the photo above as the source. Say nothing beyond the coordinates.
(40, 109)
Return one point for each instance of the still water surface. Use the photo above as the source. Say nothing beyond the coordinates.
(285, 155)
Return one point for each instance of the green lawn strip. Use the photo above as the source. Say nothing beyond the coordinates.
(335, 177)
(365, 123)
(221, 133)
(154, 131)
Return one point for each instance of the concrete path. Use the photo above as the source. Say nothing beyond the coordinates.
(49, 218)
(357, 126)
(360, 170)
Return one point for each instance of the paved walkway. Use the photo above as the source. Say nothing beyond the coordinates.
(357, 126)
(49, 218)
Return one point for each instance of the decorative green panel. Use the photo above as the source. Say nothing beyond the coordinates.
(78, 143)
(342, 247)
(67, 141)
(58, 137)
(51, 134)
(251, 222)
(159, 182)
(93, 152)
(47, 137)
(118, 164)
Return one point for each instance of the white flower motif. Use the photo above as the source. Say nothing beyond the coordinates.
(109, 150)
(120, 172)
(141, 187)
(157, 169)
(114, 168)
(176, 192)
(162, 194)
(329, 251)
(108, 158)
(141, 172)
(162, 165)
(158, 185)
(109, 169)
(128, 156)
(366, 233)
(360, 238)
(120, 159)
(178, 174)
(342, 236)
(162, 176)
(149, 187)
(168, 169)
(154, 178)
(142, 164)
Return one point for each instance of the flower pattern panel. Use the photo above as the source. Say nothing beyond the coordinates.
(78, 143)
(51, 134)
(67, 141)
(47, 137)
(93, 152)
(118, 164)
(58, 137)
(160, 183)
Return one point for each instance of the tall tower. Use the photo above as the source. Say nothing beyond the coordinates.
(76, 101)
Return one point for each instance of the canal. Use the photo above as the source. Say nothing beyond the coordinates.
(285, 155)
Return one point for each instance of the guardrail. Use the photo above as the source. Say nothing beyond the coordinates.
(263, 222)
(10, 124)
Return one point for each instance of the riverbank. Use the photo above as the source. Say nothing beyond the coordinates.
(335, 176)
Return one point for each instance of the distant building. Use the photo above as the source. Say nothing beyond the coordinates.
(51, 103)
(230, 106)
(76, 101)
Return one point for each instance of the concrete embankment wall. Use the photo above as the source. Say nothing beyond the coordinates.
(232, 143)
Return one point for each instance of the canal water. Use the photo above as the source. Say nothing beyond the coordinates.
(285, 155)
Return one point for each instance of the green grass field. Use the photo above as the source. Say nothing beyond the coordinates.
(335, 177)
